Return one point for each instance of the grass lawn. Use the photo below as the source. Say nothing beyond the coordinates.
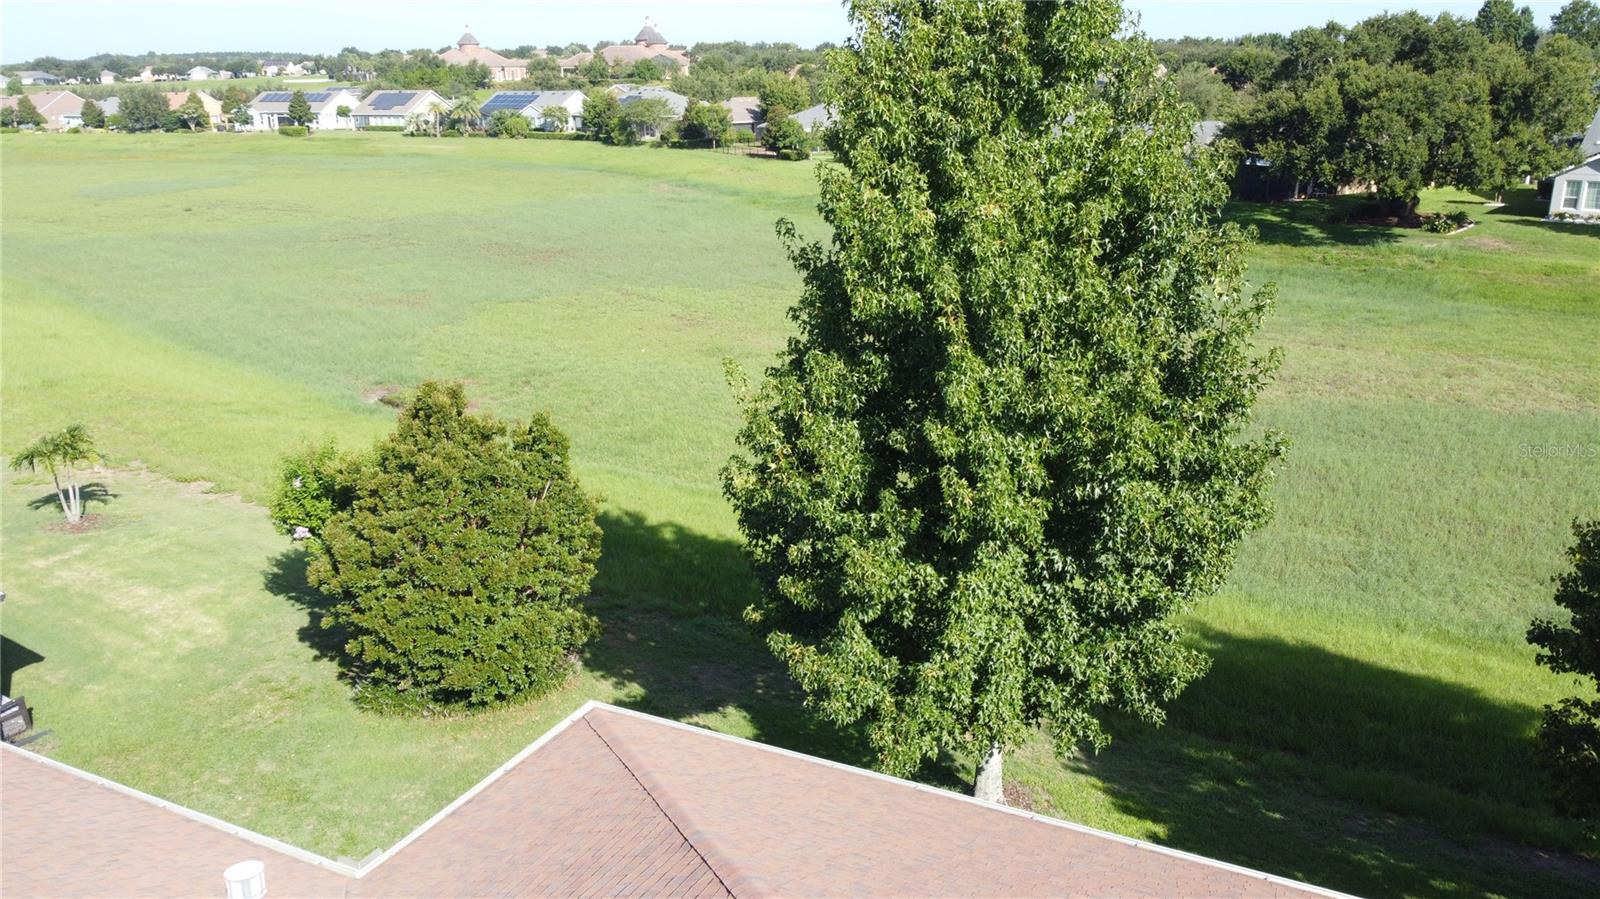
(207, 302)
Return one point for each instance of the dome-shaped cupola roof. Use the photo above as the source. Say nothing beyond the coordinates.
(649, 35)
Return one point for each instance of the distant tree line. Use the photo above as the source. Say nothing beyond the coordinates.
(1401, 102)
(88, 69)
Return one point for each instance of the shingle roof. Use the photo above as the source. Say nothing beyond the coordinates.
(1591, 137)
(813, 117)
(743, 110)
(612, 802)
(675, 101)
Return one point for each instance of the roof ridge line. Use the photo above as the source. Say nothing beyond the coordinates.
(734, 877)
(1133, 842)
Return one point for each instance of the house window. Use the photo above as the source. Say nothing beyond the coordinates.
(1592, 199)
(1569, 196)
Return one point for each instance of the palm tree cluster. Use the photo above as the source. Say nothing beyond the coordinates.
(61, 454)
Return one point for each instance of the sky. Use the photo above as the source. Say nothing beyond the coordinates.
(72, 29)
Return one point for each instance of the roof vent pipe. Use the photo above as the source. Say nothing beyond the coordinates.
(246, 880)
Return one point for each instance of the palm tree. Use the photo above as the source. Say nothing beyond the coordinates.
(60, 454)
(467, 113)
(436, 112)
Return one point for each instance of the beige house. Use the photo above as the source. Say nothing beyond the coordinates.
(61, 109)
(210, 104)
(468, 51)
(647, 44)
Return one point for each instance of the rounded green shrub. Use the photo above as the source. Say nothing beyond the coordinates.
(456, 553)
(293, 130)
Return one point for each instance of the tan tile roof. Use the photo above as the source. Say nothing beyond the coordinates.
(611, 803)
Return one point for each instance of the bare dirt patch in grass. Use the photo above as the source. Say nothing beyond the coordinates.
(1021, 796)
(81, 526)
(1486, 243)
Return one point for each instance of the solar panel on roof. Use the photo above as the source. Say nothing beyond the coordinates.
(319, 96)
(513, 100)
(275, 97)
(392, 100)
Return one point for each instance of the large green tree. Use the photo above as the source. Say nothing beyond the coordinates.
(1569, 738)
(93, 115)
(1580, 21)
(27, 113)
(193, 113)
(1504, 22)
(456, 553)
(299, 108)
(600, 113)
(705, 123)
(1007, 446)
(1401, 101)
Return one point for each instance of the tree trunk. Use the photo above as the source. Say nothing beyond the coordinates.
(75, 510)
(61, 496)
(989, 785)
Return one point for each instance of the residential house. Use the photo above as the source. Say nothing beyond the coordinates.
(146, 74)
(275, 67)
(210, 104)
(468, 51)
(1575, 191)
(647, 44)
(815, 118)
(32, 76)
(269, 110)
(110, 106)
(744, 113)
(201, 73)
(532, 105)
(676, 104)
(386, 109)
(61, 109)
(108, 77)
(610, 801)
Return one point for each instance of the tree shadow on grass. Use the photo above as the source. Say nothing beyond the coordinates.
(91, 494)
(1303, 762)
(13, 658)
(1305, 223)
(286, 577)
(1526, 208)
(675, 644)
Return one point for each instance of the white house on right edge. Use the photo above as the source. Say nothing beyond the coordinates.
(1575, 192)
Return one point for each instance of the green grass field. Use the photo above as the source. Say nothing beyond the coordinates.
(207, 302)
